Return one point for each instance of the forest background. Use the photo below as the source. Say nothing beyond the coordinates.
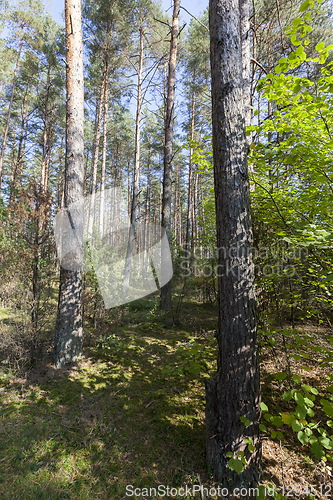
(133, 409)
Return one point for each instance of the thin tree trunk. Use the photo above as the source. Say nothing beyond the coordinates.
(35, 274)
(194, 211)
(68, 337)
(128, 187)
(12, 169)
(135, 192)
(259, 118)
(97, 137)
(18, 161)
(48, 154)
(4, 140)
(44, 154)
(269, 137)
(60, 180)
(105, 129)
(190, 176)
(23, 151)
(175, 209)
(234, 391)
(148, 203)
(85, 174)
(168, 146)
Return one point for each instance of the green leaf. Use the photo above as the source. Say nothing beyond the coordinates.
(287, 396)
(277, 421)
(261, 492)
(296, 426)
(300, 412)
(263, 406)
(281, 376)
(304, 5)
(310, 412)
(306, 388)
(320, 46)
(229, 454)
(318, 451)
(325, 442)
(294, 41)
(327, 407)
(287, 418)
(297, 21)
(299, 398)
(262, 427)
(302, 437)
(297, 379)
(236, 465)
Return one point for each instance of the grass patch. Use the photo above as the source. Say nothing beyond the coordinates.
(132, 411)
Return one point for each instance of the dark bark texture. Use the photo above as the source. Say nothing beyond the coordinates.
(234, 392)
(168, 145)
(68, 336)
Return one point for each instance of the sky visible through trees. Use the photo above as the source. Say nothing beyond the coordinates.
(196, 8)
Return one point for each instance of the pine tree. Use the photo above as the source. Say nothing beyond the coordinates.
(68, 337)
(166, 302)
(233, 395)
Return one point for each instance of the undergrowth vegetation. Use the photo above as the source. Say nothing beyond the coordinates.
(132, 411)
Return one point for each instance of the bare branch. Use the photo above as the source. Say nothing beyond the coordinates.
(258, 64)
(203, 25)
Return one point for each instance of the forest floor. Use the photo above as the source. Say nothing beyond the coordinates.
(132, 411)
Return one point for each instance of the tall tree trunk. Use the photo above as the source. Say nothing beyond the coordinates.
(148, 203)
(168, 145)
(190, 176)
(135, 192)
(48, 152)
(105, 129)
(175, 209)
(21, 165)
(45, 132)
(68, 336)
(97, 137)
(97, 134)
(4, 140)
(61, 181)
(20, 149)
(12, 169)
(234, 392)
(86, 173)
(244, 7)
(128, 187)
(194, 211)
